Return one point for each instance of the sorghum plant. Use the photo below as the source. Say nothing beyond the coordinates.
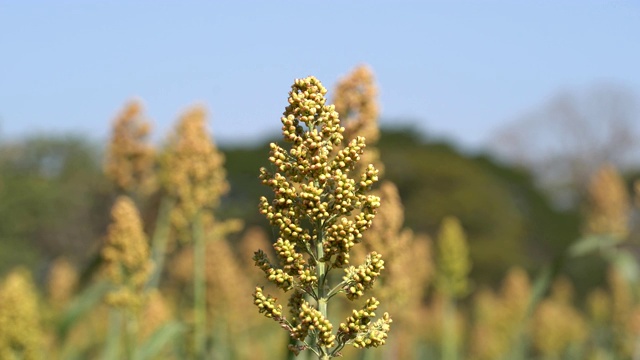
(194, 177)
(609, 205)
(129, 158)
(126, 256)
(320, 212)
(127, 266)
(20, 332)
(192, 172)
(453, 268)
(61, 283)
(557, 325)
(501, 319)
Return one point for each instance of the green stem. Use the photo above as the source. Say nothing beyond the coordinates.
(449, 336)
(160, 241)
(322, 296)
(199, 288)
(131, 333)
(112, 344)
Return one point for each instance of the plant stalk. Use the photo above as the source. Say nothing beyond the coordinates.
(322, 296)
(160, 241)
(449, 337)
(199, 288)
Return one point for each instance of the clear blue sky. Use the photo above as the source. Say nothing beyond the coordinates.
(457, 69)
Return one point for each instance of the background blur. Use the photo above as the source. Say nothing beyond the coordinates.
(497, 113)
(546, 88)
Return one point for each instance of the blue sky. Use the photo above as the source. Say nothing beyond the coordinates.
(455, 69)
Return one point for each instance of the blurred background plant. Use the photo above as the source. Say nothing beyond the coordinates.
(486, 256)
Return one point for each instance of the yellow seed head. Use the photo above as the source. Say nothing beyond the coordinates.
(129, 158)
(321, 208)
(20, 331)
(556, 326)
(453, 263)
(126, 255)
(62, 282)
(355, 101)
(608, 211)
(192, 169)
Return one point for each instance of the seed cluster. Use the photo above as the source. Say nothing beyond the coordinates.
(21, 336)
(321, 206)
(126, 255)
(310, 319)
(609, 204)
(453, 259)
(361, 331)
(192, 170)
(266, 304)
(361, 278)
(129, 159)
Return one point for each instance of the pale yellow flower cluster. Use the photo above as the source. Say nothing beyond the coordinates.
(361, 330)
(453, 263)
(622, 304)
(310, 319)
(129, 159)
(609, 204)
(192, 170)
(20, 331)
(311, 186)
(361, 278)
(62, 283)
(557, 325)
(126, 255)
(320, 211)
(501, 319)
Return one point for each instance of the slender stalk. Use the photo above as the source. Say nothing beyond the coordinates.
(199, 287)
(160, 241)
(112, 344)
(322, 296)
(130, 332)
(449, 337)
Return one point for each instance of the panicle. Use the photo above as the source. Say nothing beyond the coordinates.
(321, 207)
(62, 282)
(609, 204)
(126, 255)
(192, 170)
(20, 330)
(130, 159)
(453, 263)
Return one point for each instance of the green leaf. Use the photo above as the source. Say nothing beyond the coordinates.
(159, 339)
(112, 345)
(590, 244)
(81, 306)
